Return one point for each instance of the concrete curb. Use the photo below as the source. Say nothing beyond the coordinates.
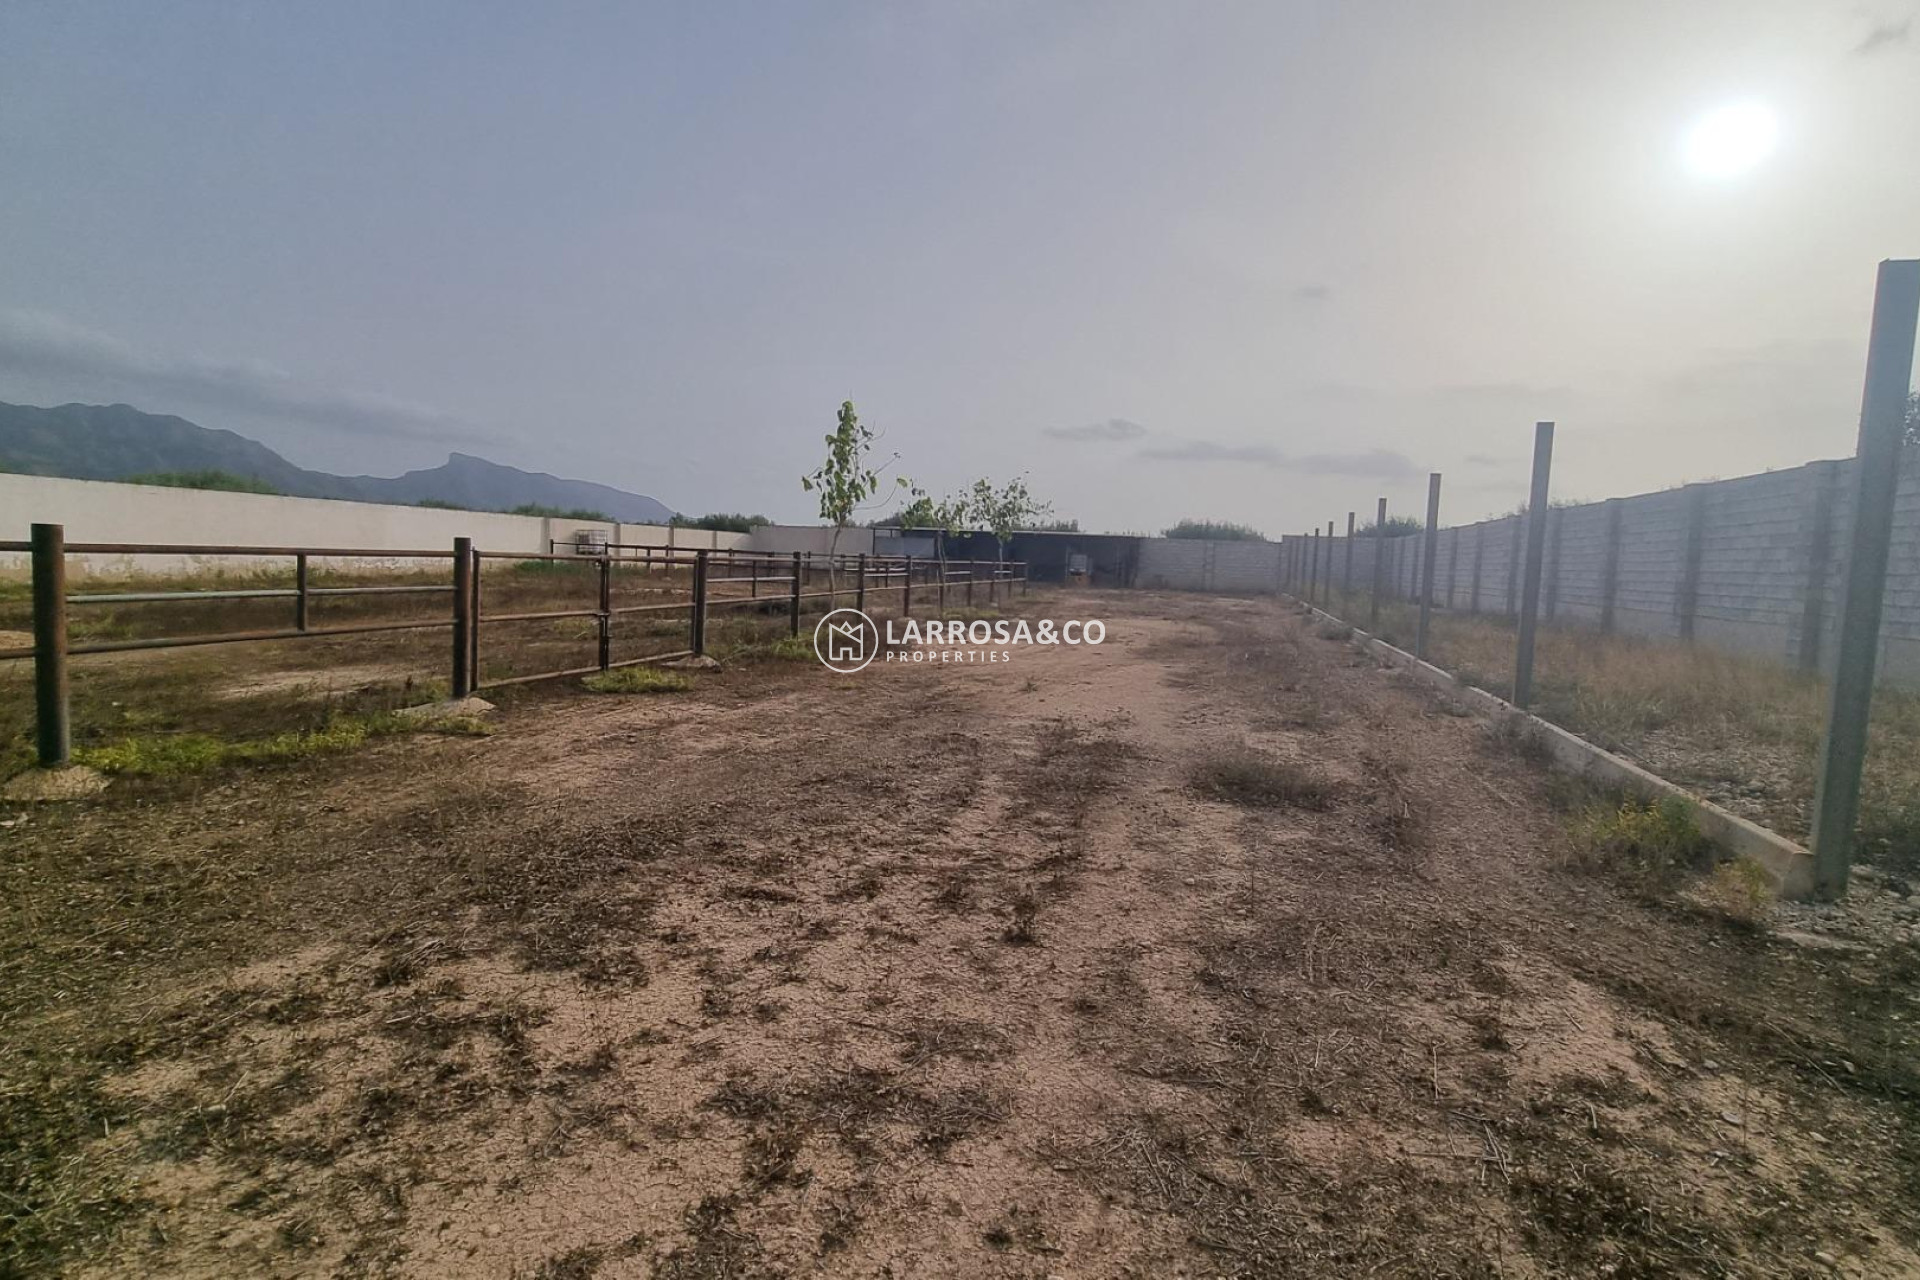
(1790, 866)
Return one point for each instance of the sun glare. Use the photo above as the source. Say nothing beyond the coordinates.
(1731, 140)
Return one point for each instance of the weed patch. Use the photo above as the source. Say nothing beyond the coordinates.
(1246, 777)
(640, 679)
(174, 754)
(1653, 844)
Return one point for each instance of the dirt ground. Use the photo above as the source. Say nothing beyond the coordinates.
(935, 970)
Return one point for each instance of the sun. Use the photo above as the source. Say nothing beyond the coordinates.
(1731, 140)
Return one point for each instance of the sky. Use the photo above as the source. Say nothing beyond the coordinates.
(1258, 262)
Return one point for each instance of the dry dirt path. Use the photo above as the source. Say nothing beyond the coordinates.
(936, 971)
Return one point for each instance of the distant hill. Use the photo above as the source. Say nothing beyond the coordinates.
(114, 441)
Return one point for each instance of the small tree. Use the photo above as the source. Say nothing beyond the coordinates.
(1006, 510)
(845, 481)
(943, 519)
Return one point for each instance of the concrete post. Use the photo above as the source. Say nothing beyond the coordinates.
(53, 735)
(1426, 567)
(1836, 797)
(1379, 560)
(1536, 556)
(1610, 571)
(1686, 595)
(1479, 559)
(1346, 580)
(1556, 532)
(1453, 565)
(1313, 565)
(1513, 565)
(1326, 584)
(1813, 620)
(462, 616)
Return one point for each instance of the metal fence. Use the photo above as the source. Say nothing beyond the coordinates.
(690, 584)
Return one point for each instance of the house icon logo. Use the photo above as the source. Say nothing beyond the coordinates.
(846, 640)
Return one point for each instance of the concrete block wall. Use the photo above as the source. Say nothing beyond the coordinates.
(1200, 564)
(1749, 565)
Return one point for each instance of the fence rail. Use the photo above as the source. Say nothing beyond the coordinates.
(714, 578)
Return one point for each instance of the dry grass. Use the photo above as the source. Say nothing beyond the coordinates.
(1742, 731)
(1247, 777)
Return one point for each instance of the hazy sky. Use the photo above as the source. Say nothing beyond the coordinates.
(1259, 262)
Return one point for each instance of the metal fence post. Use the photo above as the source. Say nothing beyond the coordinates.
(300, 592)
(1379, 560)
(860, 583)
(462, 616)
(52, 731)
(906, 589)
(1426, 565)
(1313, 570)
(473, 627)
(700, 579)
(793, 601)
(606, 612)
(1836, 798)
(970, 573)
(1536, 554)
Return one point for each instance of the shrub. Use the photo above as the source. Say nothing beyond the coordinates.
(1652, 843)
(560, 513)
(1219, 530)
(224, 481)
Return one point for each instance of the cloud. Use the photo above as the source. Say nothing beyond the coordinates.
(1313, 293)
(1884, 35)
(1486, 460)
(50, 348)
(1113, 429)
(1382, 463)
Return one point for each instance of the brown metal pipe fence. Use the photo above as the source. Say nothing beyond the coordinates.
(467, 619)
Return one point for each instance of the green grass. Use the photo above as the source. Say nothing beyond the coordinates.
(638, 680)
(161, 755)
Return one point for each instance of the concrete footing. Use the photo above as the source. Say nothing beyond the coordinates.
(37, 786)
(448, 709)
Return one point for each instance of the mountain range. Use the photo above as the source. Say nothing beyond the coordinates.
(115, 441)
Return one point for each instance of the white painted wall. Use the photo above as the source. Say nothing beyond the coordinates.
(102, 511)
